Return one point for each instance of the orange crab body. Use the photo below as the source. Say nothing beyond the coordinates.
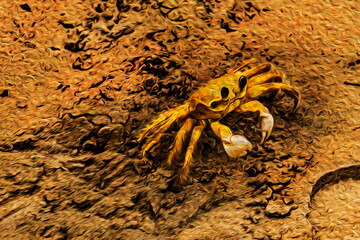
(235, 91)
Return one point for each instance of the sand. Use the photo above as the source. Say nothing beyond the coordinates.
(80, 79)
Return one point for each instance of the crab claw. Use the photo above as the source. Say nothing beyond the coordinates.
(238, 146)
(266, 126)
(234, 145)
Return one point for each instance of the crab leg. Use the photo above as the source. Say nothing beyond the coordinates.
(265, 67)
(176, 116)
(234, 145)
(155, 138)
(179, 112)
(243, 64)
(264, 78)
(195, 135)
(267, 119)
(180, 139)
(258, 90)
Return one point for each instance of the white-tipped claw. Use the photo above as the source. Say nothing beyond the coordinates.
(266, 126)
(234, 145)
(238, 146)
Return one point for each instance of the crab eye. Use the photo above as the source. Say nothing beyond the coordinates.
(224, 92)
(242, 82)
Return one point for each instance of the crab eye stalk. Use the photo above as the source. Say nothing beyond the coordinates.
(242, 82)
(224, 92)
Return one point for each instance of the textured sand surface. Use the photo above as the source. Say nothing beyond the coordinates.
(80, 79)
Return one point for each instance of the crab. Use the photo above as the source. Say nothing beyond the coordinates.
(235, 91)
